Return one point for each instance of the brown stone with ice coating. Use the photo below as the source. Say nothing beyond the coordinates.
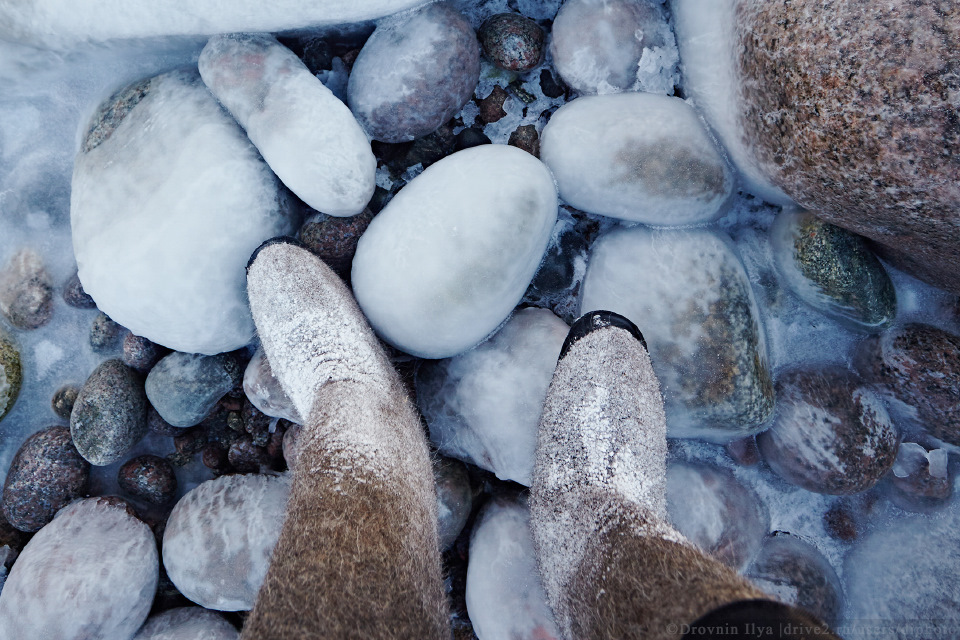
(851, 107)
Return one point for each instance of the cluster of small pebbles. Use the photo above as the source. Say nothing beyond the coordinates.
(610, 193)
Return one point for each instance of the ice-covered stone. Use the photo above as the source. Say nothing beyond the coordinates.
(920, 480)
(636, 156)
(451, 255)
(185, 387)
(504, 596)
(688, 293)
(91, 573)
(414, 73)
(831, 434)
(220, 538)
(110, 413)
(792, 570)
(168, 201)
(11, 374)
(61, 23)
(264, 390)
(26, 291)
(598, 44)
(304, 132)
(187, 623)
(483, 406)
(715, 511)
(512, 42)
(832, 270)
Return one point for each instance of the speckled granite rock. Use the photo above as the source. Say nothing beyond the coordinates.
(110, 414)
(11, 374)
(848, 106)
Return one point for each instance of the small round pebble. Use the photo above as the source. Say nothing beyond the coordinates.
(215, 458)
(46, 474)
(75, 296)
(334, 240)
(104, 333)
(148, 478)
(512, 42)
(185, 387)
(470, 137)
(920, 480)
(11, 373)
(526, 137)
(245, 456)
(187, 623)
(26, 291)
(140, 353)
(64, 399)
(491, 107)
(831, 434)
(454, 498)
(110, 414)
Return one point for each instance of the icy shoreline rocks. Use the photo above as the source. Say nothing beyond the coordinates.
(452, 254)
(110, 413)
(11, 375)
(689, 294)
(638, 157)
(307, 136)
(91, 573)
(185, 387)
(26, 291)
(414, 73)
(484, 405)
(169, 199)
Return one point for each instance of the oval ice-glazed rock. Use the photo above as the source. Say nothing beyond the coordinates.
(453, 253)
(484, 405)
(414, 73)
(91, 573)
(831, 433)
(597, 44)
(220, 538)
(308, 137)
(110, 413)
(832, 270)
(184, 387)
(636, 156)
(187, 623)
(505, 598)
(11, 374)
(169, 199)
(716, 512)
(689, 294)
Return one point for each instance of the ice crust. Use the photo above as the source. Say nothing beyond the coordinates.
(452, 254)
(707, 37)
(265, 391)
(220, 538)
(66, 23)
(187, 623)
(504, 596)
(165, 213)
(91, 573)
(484, 405)
(636, 156)
(306, 134)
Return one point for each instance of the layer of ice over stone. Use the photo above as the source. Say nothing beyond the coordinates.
(307, 136)
(689, 294)
(264, 390)
(504, 596)
(63, 23)
(165, 212)
(91, 573)
(636, 156)
(484, 405)
(187, 623)
(706, 32)
(453, 253)
(220, 538)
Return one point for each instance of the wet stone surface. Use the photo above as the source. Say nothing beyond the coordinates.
(512, 42)
(110, 413)
(26, 291)
(148, 478)
(75, 296)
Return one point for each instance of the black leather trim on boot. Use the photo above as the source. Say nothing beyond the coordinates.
(754, 619)
(274, 240)
(590, 322)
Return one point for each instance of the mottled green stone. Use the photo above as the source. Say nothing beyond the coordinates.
(11, 374)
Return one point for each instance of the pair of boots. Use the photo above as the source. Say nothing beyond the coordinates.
(358, 555)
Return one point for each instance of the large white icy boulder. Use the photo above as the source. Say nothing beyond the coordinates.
(168, 201)
(91, 573)
(505, 598)
(220, 538)
(689, 294)
(636, 156)
(484, 405)
(62, 23)
(308, 137)
(452, 254)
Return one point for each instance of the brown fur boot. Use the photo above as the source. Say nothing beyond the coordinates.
(358, 554)
(611, 564)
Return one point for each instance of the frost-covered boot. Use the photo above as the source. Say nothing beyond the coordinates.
(358, 554)
(611, 564)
